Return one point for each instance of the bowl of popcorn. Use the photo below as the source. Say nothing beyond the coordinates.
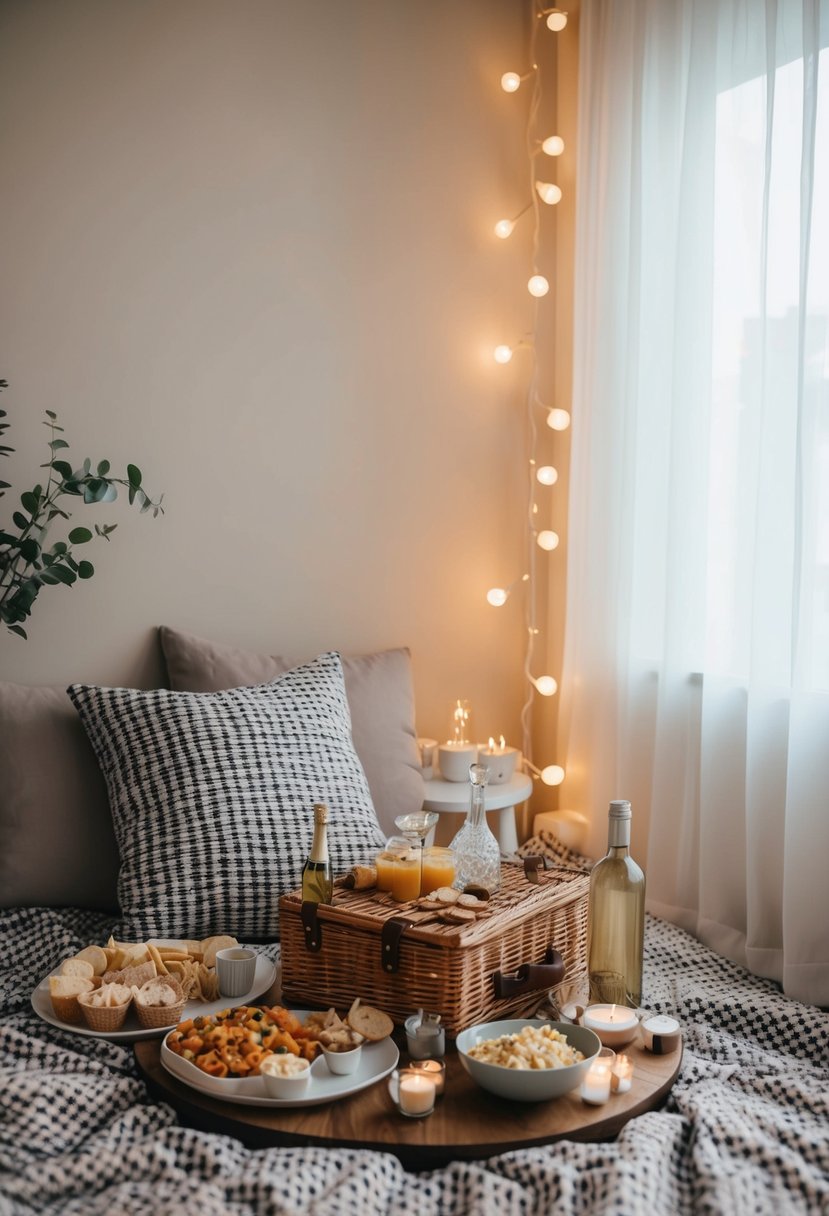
(526, 1059)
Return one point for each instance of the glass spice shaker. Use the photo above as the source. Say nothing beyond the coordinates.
(477, 852)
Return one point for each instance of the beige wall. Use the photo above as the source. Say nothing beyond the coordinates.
(248, 247)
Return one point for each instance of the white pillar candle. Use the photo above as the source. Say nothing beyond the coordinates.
(416, 1093)
(595, 1088)
(500, 760)
(614, 1024)
(454, 760)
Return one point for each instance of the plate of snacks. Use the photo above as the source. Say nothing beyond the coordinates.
(137, 990)
(527, 1059)
(259, 1055)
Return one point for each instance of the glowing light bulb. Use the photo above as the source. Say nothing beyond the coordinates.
(504, 228)
(553, 145)
(558, 420)
(510, 81)
(502, 354)
(547, 540)
(553, 774)
(546, 685)
(548, 192)
(538, 286)
(497, 596)
(547, 475)
(556, 21)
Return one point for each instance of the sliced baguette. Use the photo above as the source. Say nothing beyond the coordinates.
(64, 991)
(371, 1023)
(78, 967)
(96, 956)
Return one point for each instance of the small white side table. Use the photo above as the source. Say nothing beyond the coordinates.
(452, 797)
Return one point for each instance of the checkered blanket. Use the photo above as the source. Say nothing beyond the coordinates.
(744, 1131)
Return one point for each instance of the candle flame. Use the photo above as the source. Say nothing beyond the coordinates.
(491, 744)
(503, 743)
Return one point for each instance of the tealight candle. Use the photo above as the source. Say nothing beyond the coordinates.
(436, 1069)
(415, 1093)
(499, 759)
(622, 1075)
(595, 1088)
(661, 1034)
(614, 1024)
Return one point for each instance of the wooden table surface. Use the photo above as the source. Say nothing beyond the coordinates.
(467, 1123)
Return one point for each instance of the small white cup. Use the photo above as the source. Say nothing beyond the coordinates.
(342, 1063)
(235, 967)
(281, 1085)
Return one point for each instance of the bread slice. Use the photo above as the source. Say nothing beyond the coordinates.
(211, 945)
(78, 967)
(132, 975)
(64, 991)
(371, 1023)
(96, 956)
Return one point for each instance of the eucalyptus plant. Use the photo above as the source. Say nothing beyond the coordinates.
(27, 561)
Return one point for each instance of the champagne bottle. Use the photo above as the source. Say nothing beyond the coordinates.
(616, 918)
(317, 879)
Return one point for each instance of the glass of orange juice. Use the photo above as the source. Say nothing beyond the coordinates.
(405, 876)
(438, 869)
(386, 859)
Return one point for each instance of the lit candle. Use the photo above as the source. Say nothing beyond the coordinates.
(661, 1034)
(499, 759)
(614, 1024)
(622, 1074)
(454, 759)
(595, 1088)
(435, 1069)
(416, 1093)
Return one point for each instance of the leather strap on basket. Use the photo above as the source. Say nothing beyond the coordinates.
(311, 926)
(531, 976)
(392, 931)
(534, 862)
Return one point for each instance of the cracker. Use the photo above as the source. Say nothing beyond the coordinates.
(446, 895)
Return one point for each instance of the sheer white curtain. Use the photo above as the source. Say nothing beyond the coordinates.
(696, 670)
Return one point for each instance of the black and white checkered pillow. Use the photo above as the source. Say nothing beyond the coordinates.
(212, 796)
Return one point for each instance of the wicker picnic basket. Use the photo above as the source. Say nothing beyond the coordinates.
(402, 959)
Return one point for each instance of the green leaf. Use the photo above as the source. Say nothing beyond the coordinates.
(103, 468)
(46, 576)
(30, 501)
(30, 549)
(20, 520)
(134, 475)
(54, 444)
(59, 547)
(63, 469)
(85, 570)
(87, 465)
(79, 536)
(21, 633)
(51, 414)
(64, 575)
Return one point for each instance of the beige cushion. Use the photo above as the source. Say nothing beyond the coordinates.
(57, 843)
(380, 695)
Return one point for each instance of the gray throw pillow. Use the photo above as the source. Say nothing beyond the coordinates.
(57, 844)
(212, 796)
(380, 693)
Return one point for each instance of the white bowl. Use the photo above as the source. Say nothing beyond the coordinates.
(527, 1084)
(289, 1086)
(342, 1062)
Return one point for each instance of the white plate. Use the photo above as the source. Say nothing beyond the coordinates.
(376, 1061)
(132, 1029)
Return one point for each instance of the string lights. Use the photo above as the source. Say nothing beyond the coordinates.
(543, 476)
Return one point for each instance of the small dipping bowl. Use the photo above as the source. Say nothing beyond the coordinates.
(285, 1076)
(342, 1062)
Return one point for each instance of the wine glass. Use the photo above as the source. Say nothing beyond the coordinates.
(416, 826)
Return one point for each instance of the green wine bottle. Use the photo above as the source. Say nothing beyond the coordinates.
(317, 878)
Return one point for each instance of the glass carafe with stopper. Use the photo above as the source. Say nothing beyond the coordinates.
(477, 852)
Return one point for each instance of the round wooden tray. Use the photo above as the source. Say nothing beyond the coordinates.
(467, 1122)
